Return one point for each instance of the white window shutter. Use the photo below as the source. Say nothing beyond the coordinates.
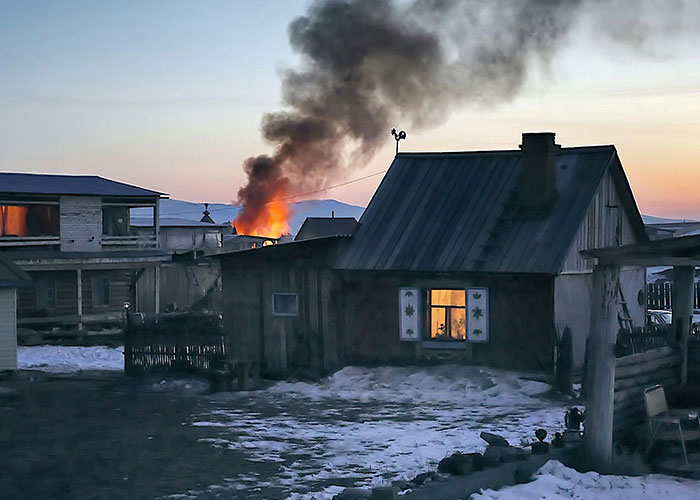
(409, 312)
(478, 315)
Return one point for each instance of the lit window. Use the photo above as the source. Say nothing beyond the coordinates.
(285, 304)
(447, 314)
(100, 290)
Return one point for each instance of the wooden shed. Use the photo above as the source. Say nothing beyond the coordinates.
(11, 277)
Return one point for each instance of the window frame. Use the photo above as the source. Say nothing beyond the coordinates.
(286, 294)
(94, 285)
(448, 313)
(43, 280)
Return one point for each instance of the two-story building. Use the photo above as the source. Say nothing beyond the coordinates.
(72, 235)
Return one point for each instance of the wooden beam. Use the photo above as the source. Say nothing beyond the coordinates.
(156, 288)
(601, 366)
(79, 276)
(682, 306)
(156, 222)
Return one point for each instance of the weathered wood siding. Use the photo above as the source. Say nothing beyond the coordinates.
(182, 284)
(521, 320)
(8, 329)
(305, 344)
(694, 361)
(572, 305)
(606, 224)
(66, 285)
(635, 373)
(81, 223)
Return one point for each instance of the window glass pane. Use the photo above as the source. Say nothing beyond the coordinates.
(447, 298)
(284, 304)
(100, 290)
(45, 294)
(458, 324)
(29, 220)
(438, 327)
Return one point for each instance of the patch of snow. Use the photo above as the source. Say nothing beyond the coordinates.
(70, 359)
(367, 427)
(555, 480)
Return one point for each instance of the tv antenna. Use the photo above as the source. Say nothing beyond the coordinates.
(397, 137)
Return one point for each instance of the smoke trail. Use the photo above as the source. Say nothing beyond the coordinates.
(368, 63)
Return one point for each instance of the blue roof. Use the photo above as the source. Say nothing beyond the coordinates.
(11, 275)
(88, 185)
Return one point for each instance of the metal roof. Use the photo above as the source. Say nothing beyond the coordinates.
(316, 227)
(11, 275)
(88, 185)
(680, 251)
(458, 212)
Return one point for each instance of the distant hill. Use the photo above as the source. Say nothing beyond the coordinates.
(224, 212)
(652, 219)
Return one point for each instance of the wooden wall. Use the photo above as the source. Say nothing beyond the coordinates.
(67, 293)
(694, 361)
(81, 223)
(182, 284)
(8, 329)
(635, 373)
(521, 319)
(307, 344)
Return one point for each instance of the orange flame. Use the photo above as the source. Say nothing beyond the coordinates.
(13, 220)
(272, 220)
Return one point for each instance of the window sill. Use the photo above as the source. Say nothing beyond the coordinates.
(444, 344)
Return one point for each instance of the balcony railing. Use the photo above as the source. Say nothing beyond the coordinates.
(126, 242)
(28, 241)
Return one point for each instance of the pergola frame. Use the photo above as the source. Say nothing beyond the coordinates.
(683, 254)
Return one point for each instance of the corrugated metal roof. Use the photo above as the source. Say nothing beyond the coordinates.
(316, 227)
(88, 185)
(458, 212)
(11, 275)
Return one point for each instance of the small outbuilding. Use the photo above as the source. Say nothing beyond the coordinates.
(11, 277)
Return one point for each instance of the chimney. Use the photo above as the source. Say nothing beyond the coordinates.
(538, 181)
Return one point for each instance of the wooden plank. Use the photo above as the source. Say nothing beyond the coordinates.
(643, 357)
(640, 369)
(682, 306)
(646, 378)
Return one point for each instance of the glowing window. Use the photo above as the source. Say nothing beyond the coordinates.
(447, 319)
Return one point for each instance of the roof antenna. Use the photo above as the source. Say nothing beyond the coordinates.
(397, 137)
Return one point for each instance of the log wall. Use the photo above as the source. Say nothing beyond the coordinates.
(635, 373)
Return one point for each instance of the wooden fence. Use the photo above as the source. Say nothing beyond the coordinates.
(635, 373)
(641, 340)
(182, 343)
(659, 295)
(156, 353)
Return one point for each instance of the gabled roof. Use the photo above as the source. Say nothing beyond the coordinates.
(11, 275)
(316, 227)
(88, 185)
(458, 212)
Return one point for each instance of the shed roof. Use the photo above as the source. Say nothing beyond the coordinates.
(681, 251)
(458, 212)
(316, 227)
(88, 185)
(11, 275)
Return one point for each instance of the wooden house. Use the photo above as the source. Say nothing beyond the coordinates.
(469, 256)
(11, 278)
(72, 235)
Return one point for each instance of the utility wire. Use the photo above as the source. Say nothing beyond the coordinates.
(286, 198)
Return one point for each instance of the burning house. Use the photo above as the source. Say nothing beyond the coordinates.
(466, 256)
(72, 235)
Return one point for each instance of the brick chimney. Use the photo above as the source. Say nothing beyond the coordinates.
(538, 182)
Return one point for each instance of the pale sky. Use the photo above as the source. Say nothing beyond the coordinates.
(169, 95)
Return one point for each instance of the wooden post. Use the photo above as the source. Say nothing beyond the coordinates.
(156, 222)
(601, 366)
(682, 306)
(79, 278)
(156, 288)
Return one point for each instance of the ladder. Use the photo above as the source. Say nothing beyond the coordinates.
(624, 319)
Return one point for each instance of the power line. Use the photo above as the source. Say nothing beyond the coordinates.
(286, 198)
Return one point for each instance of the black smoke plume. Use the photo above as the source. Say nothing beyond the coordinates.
(368, 64)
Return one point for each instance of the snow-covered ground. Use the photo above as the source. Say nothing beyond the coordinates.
(366, 427)
(65, 359)
(554, 480)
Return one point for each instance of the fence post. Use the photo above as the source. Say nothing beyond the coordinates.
(683, 290)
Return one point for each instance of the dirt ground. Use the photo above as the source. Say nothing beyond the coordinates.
(101, 436)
